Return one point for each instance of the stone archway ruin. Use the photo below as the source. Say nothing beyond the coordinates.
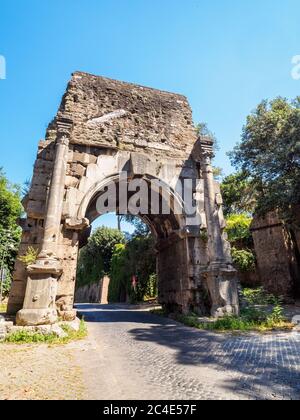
(104, 127)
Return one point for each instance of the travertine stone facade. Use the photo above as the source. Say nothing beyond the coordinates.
(105, 127)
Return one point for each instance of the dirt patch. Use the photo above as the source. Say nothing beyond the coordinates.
(39, 372)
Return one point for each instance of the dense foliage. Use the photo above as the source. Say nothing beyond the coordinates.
(10, 233)
(239, 194)
(95, 257)
(131, 263)
(133, 271)
(239, 235)
(243, 259)
(238, 228)
(140, 228)
(269, 154)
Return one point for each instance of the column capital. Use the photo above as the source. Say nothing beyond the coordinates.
(64, 127)
(206, 148)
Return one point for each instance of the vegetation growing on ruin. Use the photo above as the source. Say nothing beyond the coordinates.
(252, 317)
(30, 256)
(3, 307)
(25, 337)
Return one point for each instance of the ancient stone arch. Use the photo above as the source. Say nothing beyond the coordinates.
(104, 128)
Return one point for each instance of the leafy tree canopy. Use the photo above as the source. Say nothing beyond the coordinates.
(10, 204)
(10, 233)
(135, 259)
(95, 257)
(141, 228)
(239, 194)
(269, 153)
(238, 228)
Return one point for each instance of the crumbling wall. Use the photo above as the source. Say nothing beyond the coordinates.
(93, 293)
(276, 256)
(122, 115)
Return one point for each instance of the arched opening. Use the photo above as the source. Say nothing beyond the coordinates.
(118, 263)
(166, 227)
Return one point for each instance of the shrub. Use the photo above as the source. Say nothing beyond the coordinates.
(250, 319)
(244, 260)
(238, 227)
(277, 314)
(259, 297)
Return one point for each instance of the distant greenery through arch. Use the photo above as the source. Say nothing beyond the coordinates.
(129, 261)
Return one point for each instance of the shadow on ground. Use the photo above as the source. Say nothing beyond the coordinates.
(260, 366)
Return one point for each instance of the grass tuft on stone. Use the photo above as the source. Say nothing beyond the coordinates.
(3, 308)
(25, 337)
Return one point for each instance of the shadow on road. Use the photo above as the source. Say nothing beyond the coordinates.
(261, 366)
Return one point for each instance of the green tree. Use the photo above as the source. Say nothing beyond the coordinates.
(136, 259)
(239, 194)
(269, 153)
(141, 228)
(119, 286)
(142, 265)
(203, 130)
(10, 233)
(238, 228)
(10, 203)
(95, 257)
(239, 235)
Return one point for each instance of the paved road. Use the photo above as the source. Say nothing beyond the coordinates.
(132, 354)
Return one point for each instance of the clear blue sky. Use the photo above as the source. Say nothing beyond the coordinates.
(224, 55)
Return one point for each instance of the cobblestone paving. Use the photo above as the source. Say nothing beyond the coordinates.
(133, 354)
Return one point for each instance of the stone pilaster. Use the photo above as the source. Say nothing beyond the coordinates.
(39, 304)
(221, 277)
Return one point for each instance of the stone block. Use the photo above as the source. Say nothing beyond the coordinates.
(77, 169)
(93, 172)
(38, 193)
(35, 209)
(71, 181)
(41, 179)
(107, 164)
(84, 158)
(74, 325)
(141, 143)
(44, 166)
(85, 184)
(139, 163)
